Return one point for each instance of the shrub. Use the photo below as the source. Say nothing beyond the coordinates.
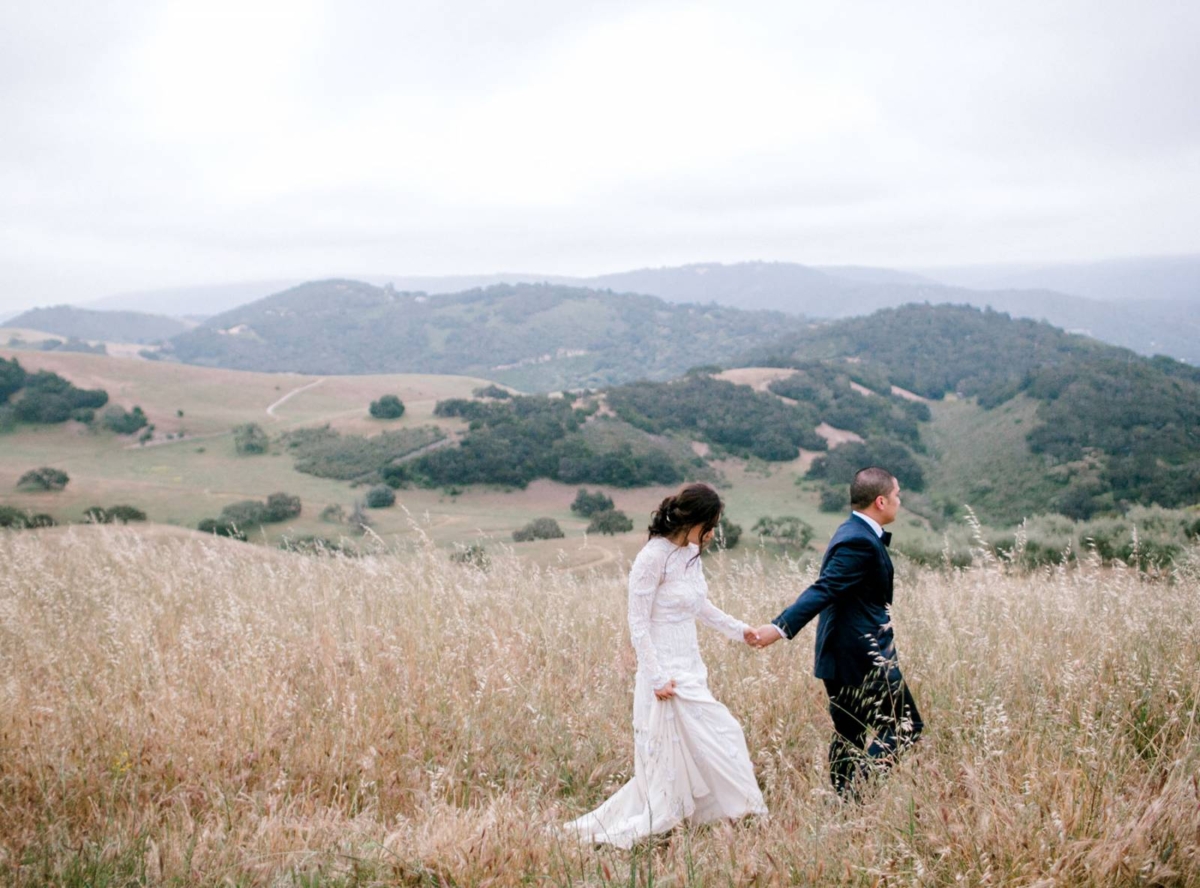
(10, 516)
(787, 531)
(473, 555)
(610, 521)
(333, 514)
(587, 504)
(387, 407)
(327, 454)
(125, 514)
(538, 529)
(314, 545)
(44, 478)
(727, 534)
(246, 513)
(12, 378)
(380, 497)
(250, 439)
(109, 514)
(834, 499)
(219, 527)
(396, 475)
(43, 407)
(492, 391)
(97, 515)
(282, 507)
(41, 519)
(117, 419)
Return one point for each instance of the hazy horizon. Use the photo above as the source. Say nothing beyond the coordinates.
(164, 145)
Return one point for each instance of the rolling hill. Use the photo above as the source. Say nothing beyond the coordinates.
(535, 337)
(102, 326)
(1109, 427)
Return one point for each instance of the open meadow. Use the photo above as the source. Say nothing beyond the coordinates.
(190, 470)
(177, 709)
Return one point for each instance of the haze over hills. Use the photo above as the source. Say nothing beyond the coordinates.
(1095, 299)
(111, 326)
(1163, 279)
(536, 337)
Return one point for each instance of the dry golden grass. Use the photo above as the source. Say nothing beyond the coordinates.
(190, 711)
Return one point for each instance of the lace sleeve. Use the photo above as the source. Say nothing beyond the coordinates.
(644, 579)
(712, 616)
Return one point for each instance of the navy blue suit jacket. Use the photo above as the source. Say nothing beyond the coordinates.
(852, 596)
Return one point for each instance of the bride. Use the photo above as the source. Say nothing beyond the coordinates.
(690, 757)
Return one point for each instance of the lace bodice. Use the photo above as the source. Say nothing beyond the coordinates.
(667, 586)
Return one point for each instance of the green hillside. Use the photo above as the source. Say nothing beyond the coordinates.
(1109, 428)
(102, 326)
(532, 337)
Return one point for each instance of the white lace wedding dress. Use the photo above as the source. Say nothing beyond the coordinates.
(690, 756)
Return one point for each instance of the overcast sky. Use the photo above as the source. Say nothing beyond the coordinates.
(177, 143)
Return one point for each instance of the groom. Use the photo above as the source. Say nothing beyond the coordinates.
(855, 653)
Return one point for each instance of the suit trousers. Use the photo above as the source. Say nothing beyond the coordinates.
(881, 705)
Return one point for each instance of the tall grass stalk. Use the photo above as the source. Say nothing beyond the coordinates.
(195, 711)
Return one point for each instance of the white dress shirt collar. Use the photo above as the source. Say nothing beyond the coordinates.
(872, 522)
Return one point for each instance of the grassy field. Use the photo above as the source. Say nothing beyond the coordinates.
(192, 711)
(180, 480)
(980, 457)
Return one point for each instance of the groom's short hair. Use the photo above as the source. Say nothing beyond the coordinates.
(868, 484)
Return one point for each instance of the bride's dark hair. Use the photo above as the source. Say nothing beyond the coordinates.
(694, 504)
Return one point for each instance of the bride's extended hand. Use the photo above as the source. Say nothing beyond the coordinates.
(667, 691)
(750, 636)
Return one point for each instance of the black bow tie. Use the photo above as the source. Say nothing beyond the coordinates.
(887, 538)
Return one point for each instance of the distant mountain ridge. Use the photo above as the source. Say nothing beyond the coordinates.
(536, 337)
(1096, 299)
(107, 326)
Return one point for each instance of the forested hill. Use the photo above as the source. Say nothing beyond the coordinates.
(1111, 425)
(536, 337)
(105, 326)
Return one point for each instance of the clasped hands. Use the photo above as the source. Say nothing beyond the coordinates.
(764, 635)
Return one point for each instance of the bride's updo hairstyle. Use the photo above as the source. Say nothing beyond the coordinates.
(694, 504)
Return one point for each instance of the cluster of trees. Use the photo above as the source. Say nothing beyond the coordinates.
(122, 514)
(837, 467)
(588, 503)
(124, 422)
(18, 519)
(610, 522)
(237, 518)
(546, 337)
(381, 496)
(43, 397)
(1141, 417)
(735, 418)
(538, 529)
(492, 391)
(45, 478)
(513, 441)
(387, 407)
(327, 453)
(73, 345)
(829, 387)
(250, 439)
(784, 531)
(935, 349)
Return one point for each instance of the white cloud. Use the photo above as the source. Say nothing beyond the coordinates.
(181, 142)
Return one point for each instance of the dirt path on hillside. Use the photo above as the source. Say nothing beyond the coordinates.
(421, 451)
(291, 394)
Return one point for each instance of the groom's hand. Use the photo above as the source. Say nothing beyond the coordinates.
(766, 635)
